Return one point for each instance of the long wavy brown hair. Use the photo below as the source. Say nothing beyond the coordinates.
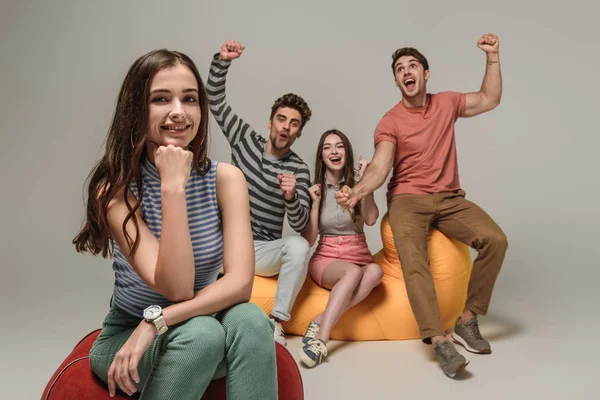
(125, 151)
(348, 172)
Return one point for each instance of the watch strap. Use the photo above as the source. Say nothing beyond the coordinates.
(160, 324)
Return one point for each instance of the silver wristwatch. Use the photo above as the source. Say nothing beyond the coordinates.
(154, 315)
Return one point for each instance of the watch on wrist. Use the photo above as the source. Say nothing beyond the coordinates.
(154, 315)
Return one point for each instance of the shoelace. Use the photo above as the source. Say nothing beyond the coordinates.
(317, 346)
(313, 329)
(474, 330)
(446, 352)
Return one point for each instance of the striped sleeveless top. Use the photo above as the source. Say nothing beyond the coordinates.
(130, 292)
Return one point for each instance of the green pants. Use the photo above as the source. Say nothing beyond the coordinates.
(180, 364)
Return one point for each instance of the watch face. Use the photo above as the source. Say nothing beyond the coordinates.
(152, 312)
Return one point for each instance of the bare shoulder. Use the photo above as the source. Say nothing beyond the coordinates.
(232, 193)
(118, 199)
(227, 172)
(230, 180)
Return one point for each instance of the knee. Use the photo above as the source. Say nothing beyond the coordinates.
(296, 250)
(296, 246)
(249, 324)
(200, 339)
(354, 274)
(248, 317)
(497, 241)
(373, 274)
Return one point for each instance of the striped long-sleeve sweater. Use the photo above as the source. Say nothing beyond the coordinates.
(248, 153)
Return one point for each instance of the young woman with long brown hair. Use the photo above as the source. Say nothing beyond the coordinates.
(170, 218)
(342, 261)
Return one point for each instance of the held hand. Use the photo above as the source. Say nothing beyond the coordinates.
(315, 193)
(174, 164)
(231, 50)
(124, 369)
(346, 197)
(362, 166)
(287, 184)
(489, 43)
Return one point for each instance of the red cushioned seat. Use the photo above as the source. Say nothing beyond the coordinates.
(74, 380)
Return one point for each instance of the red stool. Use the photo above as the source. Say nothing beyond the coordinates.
(74, 380)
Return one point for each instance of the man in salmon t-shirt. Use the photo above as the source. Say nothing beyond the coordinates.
(416, 138)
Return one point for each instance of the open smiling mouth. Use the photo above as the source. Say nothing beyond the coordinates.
(410, 84)
(335, 160)
(176, 128)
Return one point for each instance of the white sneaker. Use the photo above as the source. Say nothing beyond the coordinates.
(278, 333)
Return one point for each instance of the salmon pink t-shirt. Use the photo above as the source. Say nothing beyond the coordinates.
(425, 161)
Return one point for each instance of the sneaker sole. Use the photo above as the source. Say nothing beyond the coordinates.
(458, 369)
(306, 359)
(464, 344)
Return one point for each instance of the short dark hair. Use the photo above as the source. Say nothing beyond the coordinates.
(409, 51)
(294, 101)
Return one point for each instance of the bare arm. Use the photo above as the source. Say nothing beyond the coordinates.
(369, 209)
(490, 93)
(238, 259)
(377, 171)
(167, 267)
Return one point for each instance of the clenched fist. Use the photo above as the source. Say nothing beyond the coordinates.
(346, 197)
(489, 43)
(287, 184)
(173, 163)
(315, 194)
(231, 50)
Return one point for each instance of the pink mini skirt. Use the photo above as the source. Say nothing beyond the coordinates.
(351, 248)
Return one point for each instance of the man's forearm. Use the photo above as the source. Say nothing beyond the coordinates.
(371, 180)
(492, 80)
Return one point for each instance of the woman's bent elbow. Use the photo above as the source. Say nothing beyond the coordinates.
(246, 290)
(370, 221)
(179, 296)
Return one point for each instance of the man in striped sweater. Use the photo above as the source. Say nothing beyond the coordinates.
(278, 182)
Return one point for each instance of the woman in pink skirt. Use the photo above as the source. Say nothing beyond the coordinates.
(342, 261)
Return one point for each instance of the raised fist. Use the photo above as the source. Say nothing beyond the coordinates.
(315, 193)
(231, 50)
(287, 184)
(488, 43)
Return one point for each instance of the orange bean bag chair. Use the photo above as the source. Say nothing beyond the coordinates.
(385, 314)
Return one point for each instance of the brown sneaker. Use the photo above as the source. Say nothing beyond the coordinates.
(451, 361)
(467, 335)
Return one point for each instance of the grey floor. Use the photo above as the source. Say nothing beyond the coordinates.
(542, 326)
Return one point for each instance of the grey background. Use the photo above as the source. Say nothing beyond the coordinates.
(531, 163)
